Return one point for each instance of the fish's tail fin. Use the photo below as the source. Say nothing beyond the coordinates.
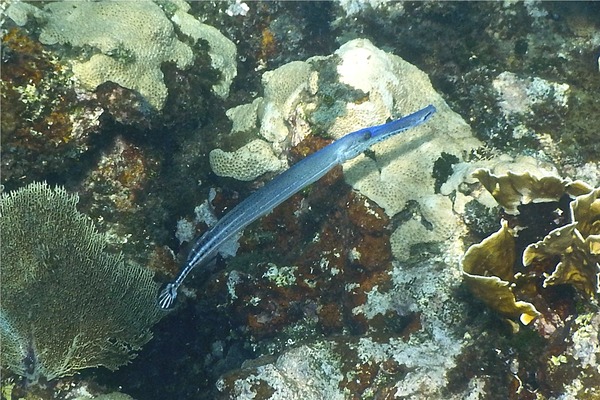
(167, 296)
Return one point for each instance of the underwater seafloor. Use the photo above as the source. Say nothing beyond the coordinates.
(356, 287)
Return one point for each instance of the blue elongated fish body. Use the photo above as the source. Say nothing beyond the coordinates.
(282, 187)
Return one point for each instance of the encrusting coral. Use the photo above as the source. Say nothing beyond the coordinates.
(66, 303)
(132, 40)
(246, 163)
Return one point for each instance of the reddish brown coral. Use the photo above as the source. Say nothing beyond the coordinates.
(330, 317)
(268, 45)
(335, 241)
(45, 129)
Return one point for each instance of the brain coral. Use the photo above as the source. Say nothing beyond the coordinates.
(66, 303)
(284, 90)
(402, 168)
(222, 52)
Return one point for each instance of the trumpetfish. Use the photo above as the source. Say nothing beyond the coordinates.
(281, 188)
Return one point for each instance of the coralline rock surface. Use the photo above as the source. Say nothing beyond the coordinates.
(411, 365)
(44, 130)
(66, 303)
(518, 95)
(575, 371)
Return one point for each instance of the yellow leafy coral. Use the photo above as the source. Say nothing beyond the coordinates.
(576, 244)
(513, 189)
(488, 271)
(66, 303)
(571, 252)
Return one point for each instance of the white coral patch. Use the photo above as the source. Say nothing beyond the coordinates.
(246, 163)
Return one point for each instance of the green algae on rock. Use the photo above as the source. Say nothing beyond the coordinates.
(66, 303)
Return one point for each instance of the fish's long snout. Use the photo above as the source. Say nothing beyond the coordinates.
(429, 111)
(421, 116)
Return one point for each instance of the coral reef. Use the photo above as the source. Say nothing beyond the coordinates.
(315, 301)
(336, 299)
(120, 33)
(361, 85)
(66, 303)
(352, 7)
(66, 388)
